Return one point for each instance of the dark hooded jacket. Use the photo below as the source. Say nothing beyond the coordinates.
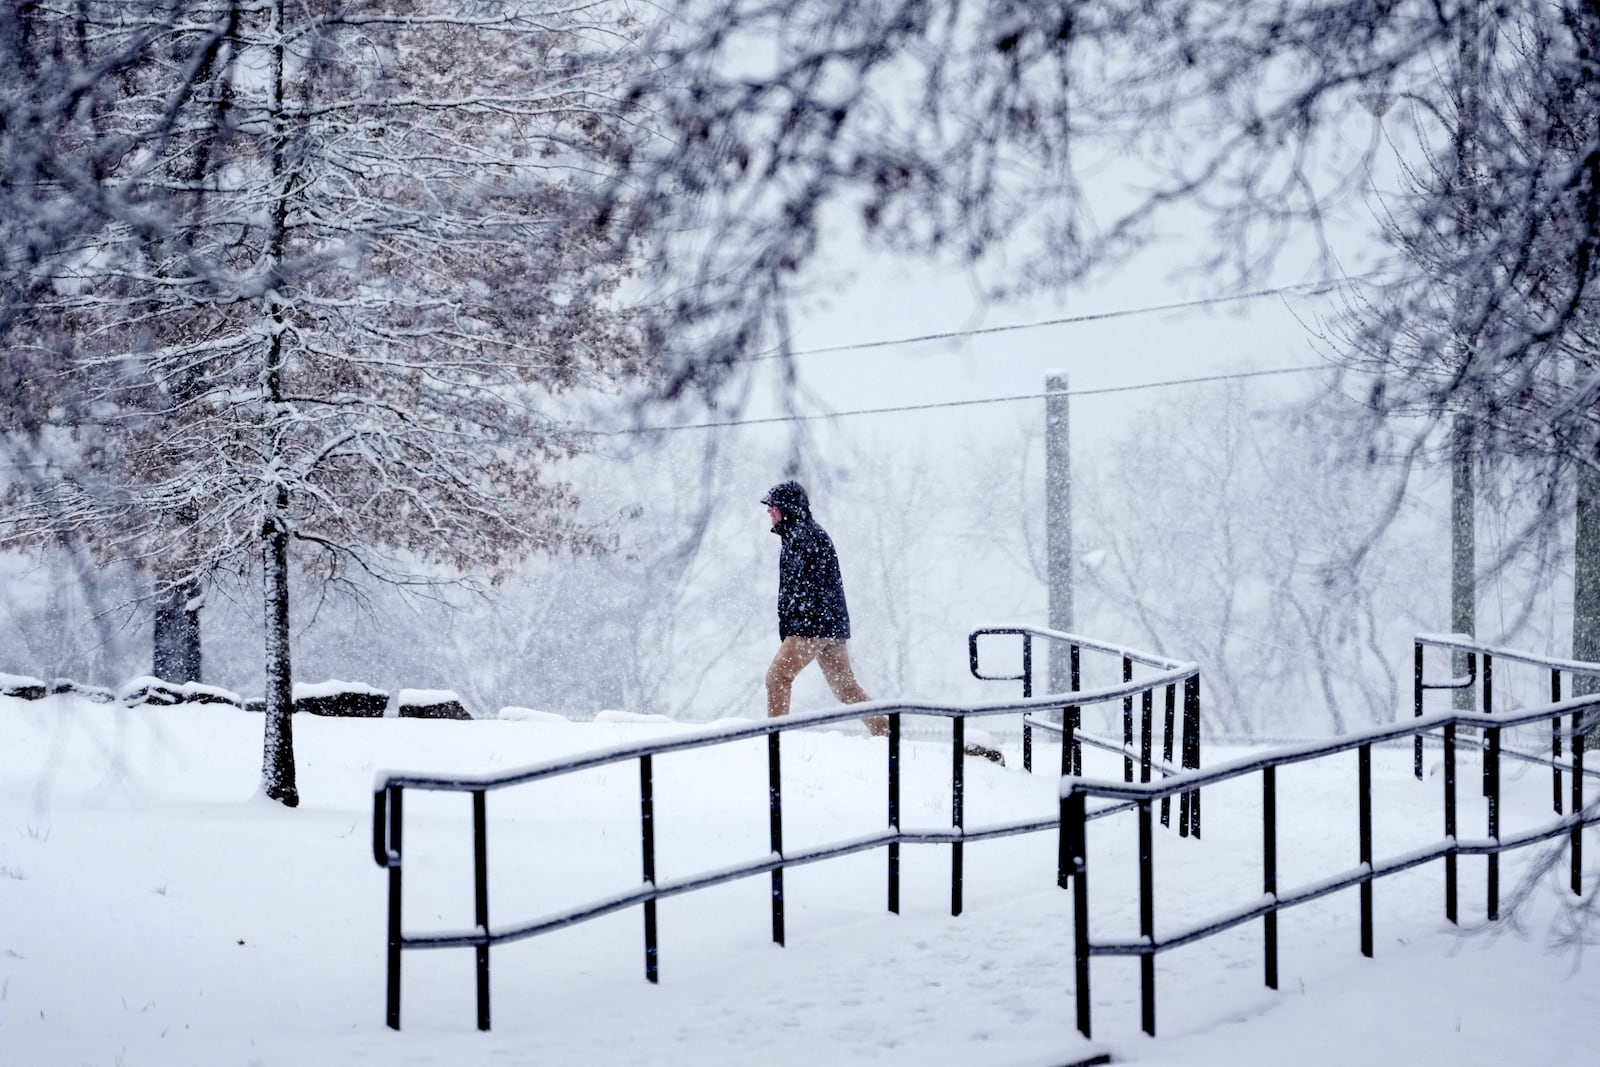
(810, 588)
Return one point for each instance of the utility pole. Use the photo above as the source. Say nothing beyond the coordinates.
(1586, 576)
(1463, 548)
(1058, 521)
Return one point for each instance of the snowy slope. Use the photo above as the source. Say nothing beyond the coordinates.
(156, 912)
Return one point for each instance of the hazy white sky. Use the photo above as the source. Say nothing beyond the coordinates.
(856, 296)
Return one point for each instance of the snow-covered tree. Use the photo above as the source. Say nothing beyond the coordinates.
(1494, 325)
(330, 329)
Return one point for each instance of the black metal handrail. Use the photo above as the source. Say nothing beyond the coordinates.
(1075, 815)
(1070, 729)
(388, 799)
(1472, 650)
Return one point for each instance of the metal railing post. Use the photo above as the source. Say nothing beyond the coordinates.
(392, 845)
(1416, 706)
(1027, 692)
(1555, 741)
(1071, 719)
(1069, 738)
(480, 899)
(1027, 665)
(894, 811)
(1491, 762)
(1472, 675)
(1146, 729)
(957, 799)
(775, 807)
(1127, 722)
(1075, 712)
(1364, 773)
(1488, 708)
(1194, 760)
(1450, 821)
(1073, 829)
(1575, 843)
(1169, 722)
(1189, 801)
(1147, 921)
(1269, 869)
(647, 843)
(1064, 849)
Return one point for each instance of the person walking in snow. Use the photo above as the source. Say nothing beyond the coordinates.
(813, 619)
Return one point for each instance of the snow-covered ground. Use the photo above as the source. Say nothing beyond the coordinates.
(154, 911)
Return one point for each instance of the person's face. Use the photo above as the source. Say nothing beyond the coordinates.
(774, 514)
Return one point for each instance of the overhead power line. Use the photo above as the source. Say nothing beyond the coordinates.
(1305, 288)
(896, 409)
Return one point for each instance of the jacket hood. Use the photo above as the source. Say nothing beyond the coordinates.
(789, 498)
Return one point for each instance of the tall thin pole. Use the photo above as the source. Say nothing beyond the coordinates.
(1058, 521)
(1463, 555)
(1463, 551)
(1586, 576)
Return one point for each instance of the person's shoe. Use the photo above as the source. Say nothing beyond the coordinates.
(991, 754)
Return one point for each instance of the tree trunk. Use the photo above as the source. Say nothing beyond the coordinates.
(176, 641)
(277, 764)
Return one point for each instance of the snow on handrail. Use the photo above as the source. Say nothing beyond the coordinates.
(723, 734)
(1466, 643)
(1149, 659)
(1221, 772)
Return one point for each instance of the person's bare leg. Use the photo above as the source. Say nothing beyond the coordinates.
(834, 659)
(793, 655)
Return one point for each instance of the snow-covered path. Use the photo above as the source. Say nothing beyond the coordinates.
(155, 913)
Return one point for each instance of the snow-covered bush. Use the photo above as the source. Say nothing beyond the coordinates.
(97, 694)
(431, 704)
(21, 686)
(347, 699)
(148, 689)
